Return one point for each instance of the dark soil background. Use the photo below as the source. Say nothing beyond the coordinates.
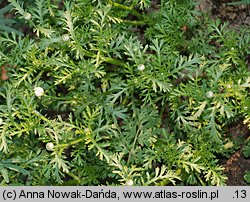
(238, 15)
(236, 165)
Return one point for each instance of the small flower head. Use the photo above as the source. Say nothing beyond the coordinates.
(129, 182)
(65, 37)
(210, 94)
(27, 16)
(141, 67)
(38, 91)
(50, 146)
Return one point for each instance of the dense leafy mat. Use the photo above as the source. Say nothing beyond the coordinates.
(119, 93)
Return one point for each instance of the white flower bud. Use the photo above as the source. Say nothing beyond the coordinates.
(141, 67)
(27, 16)
(65, 37)
(129, 182)
(210, 94)
(1, 121)
(38, 91)
(50, 146)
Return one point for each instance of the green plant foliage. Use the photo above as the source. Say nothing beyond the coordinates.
(247, 177)
(6, 23)
(246, 150)
(90, 101)
(240, 2)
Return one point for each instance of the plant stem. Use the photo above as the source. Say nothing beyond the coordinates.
(104, 59)
(74, 177)
(113, 61)
(141, 22)
(61, 98)
(69, 144)
(133, 146)
(135, 13)
(35, 112)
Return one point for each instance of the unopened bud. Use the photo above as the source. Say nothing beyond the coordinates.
(141, 67)
(210, 94)
(129, 182)
(38, 91)
(27, 16)
(50, 146)
(65, 37)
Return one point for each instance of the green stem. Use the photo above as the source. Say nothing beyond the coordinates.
(74, 177)
(135, 23)
(35, 112)
(61, 98)
(70, 143)
(135, 13)
(113, 61)
(133, 146)
(104, 59)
